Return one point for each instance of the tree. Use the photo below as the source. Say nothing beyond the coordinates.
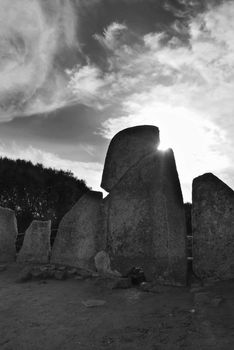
(35, 192)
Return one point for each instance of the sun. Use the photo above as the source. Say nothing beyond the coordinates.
(165, 142)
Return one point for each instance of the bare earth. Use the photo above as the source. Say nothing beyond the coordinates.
(41, 315)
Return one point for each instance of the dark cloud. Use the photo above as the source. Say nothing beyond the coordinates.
(139, 16)
(37, 54)
(71, 131)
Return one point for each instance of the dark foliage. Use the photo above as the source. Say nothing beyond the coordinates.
(35, 192)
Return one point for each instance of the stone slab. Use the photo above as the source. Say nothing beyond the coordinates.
(79, 235)
(127, 148)
(36, 245)
(213, 228)
(145, 220)
(8, 233)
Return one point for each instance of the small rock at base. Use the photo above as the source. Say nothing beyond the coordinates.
(84, 273)
(39, 272)
(145, 286)
(60, 275)
(93, 302)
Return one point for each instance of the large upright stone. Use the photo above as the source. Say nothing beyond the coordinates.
(213, 228)
(126, 149)
(80, 234)
(145, 220)
(36, 244)
(8, 233)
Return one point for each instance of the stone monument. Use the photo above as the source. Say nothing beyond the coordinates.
(144, 220)
(8, 233)
(36, 244)
(213, 228)
(79, 236)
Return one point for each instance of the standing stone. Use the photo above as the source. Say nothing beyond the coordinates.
(36, 244)
(213, 228)
(144, 216)
(80, 234)
(126, 149)
(102, 262)
(8, 233)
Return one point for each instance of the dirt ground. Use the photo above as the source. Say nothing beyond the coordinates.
(41, 315)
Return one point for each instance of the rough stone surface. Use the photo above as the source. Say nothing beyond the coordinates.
(36, 244)
(8, 233)
(79, 235)
(102, 262)
(213, 228)
(145, 220)
(127, 148)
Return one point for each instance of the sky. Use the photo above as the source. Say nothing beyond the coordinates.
(75, 72)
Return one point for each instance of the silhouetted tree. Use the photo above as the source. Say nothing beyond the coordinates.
(35, 192)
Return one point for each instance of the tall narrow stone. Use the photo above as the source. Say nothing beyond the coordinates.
(36, 244)
(213, 228)
(127, 148)
(144, 214)
(80, 234)
(8, 233)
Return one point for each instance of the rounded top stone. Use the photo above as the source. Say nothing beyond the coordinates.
(207, 184)
(127, 148)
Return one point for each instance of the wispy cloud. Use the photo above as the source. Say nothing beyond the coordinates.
(184, 88)
(32, 33)
(37, 35)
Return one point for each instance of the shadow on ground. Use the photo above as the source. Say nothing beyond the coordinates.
(51, 314)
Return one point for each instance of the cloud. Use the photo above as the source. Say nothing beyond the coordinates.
(111, 36)
(186, 88)
(32, 33)
(85, 84)
(90, 172)
(42, 40)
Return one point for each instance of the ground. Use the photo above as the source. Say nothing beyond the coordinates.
(50, 315)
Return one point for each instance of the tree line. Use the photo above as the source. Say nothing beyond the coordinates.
(36, 192)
